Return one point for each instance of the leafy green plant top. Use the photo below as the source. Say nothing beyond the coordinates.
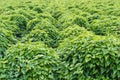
(91, 56)
(29, 61)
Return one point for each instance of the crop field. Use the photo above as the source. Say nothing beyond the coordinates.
(59, 39)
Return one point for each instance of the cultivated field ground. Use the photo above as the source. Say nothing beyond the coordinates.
(59, 39)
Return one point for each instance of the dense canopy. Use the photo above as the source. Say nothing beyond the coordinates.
(59, 39)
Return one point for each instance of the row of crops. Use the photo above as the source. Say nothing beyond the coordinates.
(59, 40)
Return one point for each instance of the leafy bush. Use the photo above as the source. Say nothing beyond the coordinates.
(90, 56)
(2, 25)
(81, 21)
(6, 38)
(73, 31)
(104, 26)
(9, 25)
(45, 25)
(49, 18)
(93, 17)
(37, 9)
(29, 61)
(38, 35)
(32, 23)
(57, 13)
(68, 19)
(25, 14)
(51, 30)
(20, 20)
(59, 40)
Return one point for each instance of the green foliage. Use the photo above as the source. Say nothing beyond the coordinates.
(37, 9)
(38, 35)
(45, 24)
(9, 25)
(20, 20)
(104, 25)
(6, 38)
(59, 40)
(26, 14)
(32, 23)
(49, 18)
(73, 31)
(66, 20)
(29, 61)
(81, 21)
(51, 30)
(90, 56)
